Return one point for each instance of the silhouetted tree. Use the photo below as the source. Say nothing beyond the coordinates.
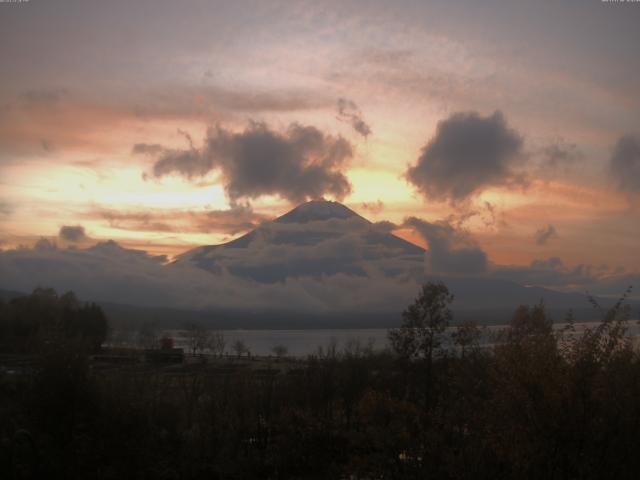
(41, 318)
(423, 323)
(467, 336)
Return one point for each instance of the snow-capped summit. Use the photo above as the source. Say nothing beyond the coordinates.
(318, 210)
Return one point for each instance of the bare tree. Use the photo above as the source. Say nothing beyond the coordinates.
(357, 348)
(279, 350)
(239, 347)
(331, 351)
(148, 336)
(217, 343)
(197, 338)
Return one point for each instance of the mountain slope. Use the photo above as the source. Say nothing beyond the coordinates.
(314, 239)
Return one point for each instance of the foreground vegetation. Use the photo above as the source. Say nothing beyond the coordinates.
(539, 403)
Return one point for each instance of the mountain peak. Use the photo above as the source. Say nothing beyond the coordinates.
(315, 239)
(317, 210)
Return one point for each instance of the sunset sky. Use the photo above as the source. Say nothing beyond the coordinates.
(168, 125)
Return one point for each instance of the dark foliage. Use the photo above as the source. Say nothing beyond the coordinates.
(538, 403)
(31, 322)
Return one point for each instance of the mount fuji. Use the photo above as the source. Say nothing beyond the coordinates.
(318, 238)
(321, 265)
(326, 240)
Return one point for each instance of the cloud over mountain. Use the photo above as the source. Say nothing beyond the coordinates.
(320, 258)
(108, 272)
(451, 251)
(299, 164)
(468, 154)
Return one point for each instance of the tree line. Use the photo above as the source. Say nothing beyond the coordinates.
(31, 322)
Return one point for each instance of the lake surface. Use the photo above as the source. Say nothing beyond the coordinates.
(300, 343)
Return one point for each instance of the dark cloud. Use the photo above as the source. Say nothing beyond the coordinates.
(187, 136)
(133, 220)
(349, 112)
(467, 154)
(147, 149)
(298, 164)
(460, 217)
(491, 216)
(451, 251)
(373, 207)
(560, 156)
(188, 163)
(551, 263)
(384, 226)
(625, 163)
(72, 233)
(543, 235)
(45, 245)
(238, 218)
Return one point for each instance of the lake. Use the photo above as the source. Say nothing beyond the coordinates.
(300, 343)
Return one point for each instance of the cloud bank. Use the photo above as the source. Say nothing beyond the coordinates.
(322, 267)
(108, 272)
